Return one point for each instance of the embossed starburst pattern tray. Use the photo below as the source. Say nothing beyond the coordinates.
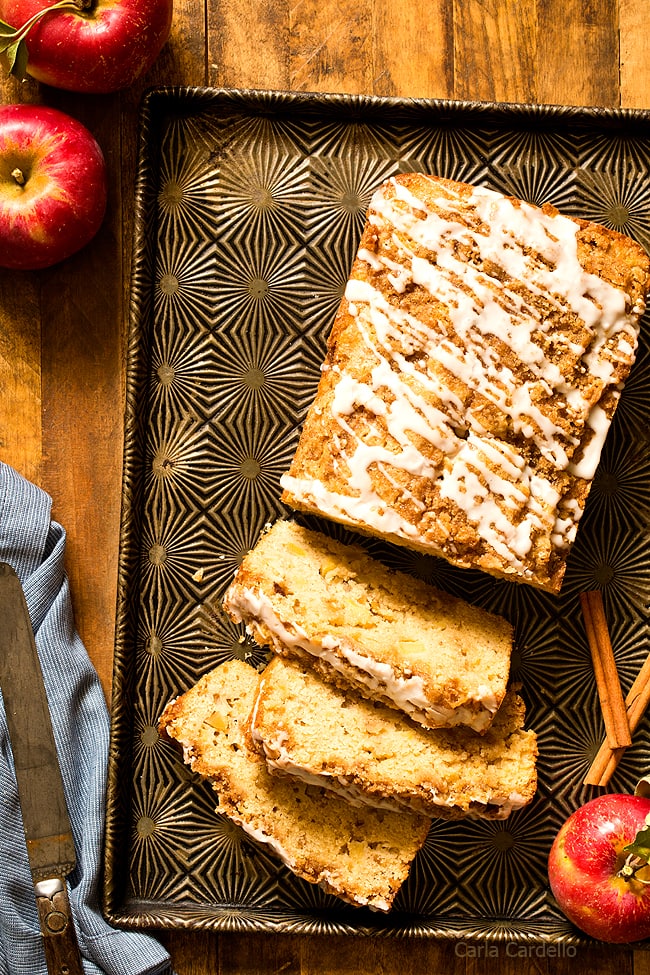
(249, 210)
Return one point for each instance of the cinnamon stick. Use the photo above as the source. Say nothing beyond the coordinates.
(606, 760)
(612, 705)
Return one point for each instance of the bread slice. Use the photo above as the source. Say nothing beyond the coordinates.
(391, 636)
(370, 753)
(471, 376)
(360, 854)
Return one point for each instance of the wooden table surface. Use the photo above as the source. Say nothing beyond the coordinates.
(62, 331)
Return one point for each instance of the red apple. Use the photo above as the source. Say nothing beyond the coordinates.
(93, 46)
(52, 186)
(601, 888)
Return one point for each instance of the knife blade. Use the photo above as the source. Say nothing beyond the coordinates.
(48, 831)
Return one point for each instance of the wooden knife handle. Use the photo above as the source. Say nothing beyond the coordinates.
(57, 927)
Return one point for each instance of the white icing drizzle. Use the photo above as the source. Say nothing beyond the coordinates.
(506, 500)
(278, 760)
(407, 693)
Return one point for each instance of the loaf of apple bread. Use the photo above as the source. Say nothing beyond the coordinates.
(471, 376)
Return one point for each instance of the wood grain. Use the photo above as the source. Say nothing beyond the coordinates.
(62, 332)
(412, 49)
(248, 44)
(634, 31)
(577, 55)
(331, 46)
(21, 432)
(495, 50)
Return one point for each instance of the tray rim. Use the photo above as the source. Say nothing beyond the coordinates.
(170, 915)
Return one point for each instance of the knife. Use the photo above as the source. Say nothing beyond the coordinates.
(48, 832)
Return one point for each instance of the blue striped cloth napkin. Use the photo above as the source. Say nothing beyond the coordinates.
(34, 546)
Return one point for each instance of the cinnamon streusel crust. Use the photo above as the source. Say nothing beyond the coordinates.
(472, 373)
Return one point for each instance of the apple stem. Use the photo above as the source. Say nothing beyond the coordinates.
(630, 868)
(18, 175)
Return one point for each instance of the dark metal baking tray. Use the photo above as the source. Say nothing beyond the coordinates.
(249, 209)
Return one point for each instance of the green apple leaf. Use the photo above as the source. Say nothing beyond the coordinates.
(14, 59)
(640, 845)
(7, 34)
(13, 51)
(19, 67)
